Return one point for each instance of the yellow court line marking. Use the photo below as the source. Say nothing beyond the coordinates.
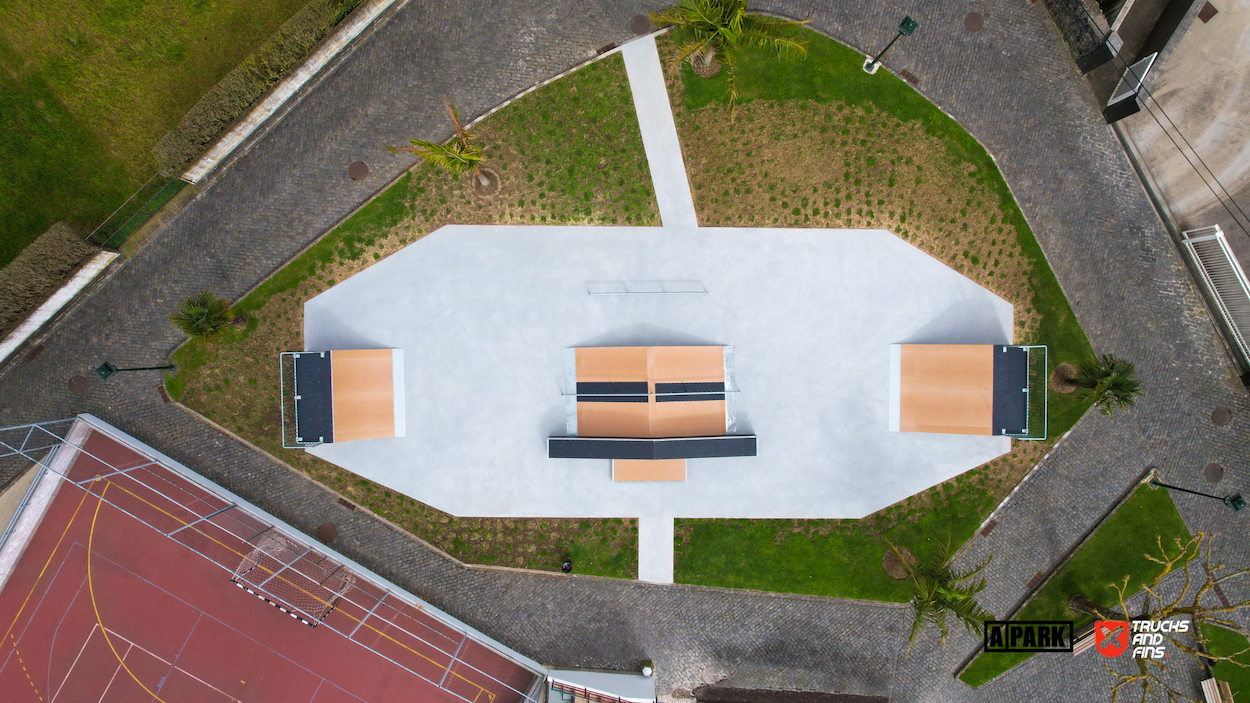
(481, 689)
(24, 671)
(9, 632)
(91, 589)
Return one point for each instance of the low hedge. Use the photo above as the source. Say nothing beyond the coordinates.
(37, 272)
(244, 85)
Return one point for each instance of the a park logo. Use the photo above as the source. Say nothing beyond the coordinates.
(1028, 636)
(1111, 637)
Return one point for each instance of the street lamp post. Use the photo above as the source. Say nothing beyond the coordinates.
(906, 27)
(106, 370)
(1234, 501)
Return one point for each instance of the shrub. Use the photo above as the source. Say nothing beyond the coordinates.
(203, 316)
(39, 271)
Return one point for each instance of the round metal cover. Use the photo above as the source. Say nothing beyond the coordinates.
(327, 532)
(1222, 416)
(974, 21)
(358, 170)
(1213, 472)
(78, 385)
(640, 25)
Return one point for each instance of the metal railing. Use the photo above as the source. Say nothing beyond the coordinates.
(226, 534)
(1225, 282)
(137, 210)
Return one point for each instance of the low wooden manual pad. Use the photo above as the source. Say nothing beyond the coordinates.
(364, 406)
(947, 388)
(644, 470)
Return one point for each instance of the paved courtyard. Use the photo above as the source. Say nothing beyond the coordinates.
(1012, 84)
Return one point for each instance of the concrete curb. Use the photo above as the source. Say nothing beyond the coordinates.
(53, 305)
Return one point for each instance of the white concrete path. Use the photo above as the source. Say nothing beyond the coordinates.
(659, 133)
(655, 548)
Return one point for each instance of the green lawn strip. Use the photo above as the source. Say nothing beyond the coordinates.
(1116, 550)
(834, 72)
(87, 89)
(1223, 643)
(836, 558)
(569, 152)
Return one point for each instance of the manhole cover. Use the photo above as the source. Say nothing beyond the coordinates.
(358, 170)
(78, 385)
(1213, 472)
(640, 25)
(327, 532)
(974, 21)
(1222, 416)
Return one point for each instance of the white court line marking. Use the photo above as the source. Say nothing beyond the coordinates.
(114, 678)
(173, 666)
(131, 646)
(94, 627)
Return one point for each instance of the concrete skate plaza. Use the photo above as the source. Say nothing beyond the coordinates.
(484, 314)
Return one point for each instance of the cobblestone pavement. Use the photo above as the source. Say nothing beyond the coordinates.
(1012, 85)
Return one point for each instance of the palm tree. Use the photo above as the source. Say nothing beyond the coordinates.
(203, 316)
(705, 29)
(458, 155)
(941, 590)
(1110, 382)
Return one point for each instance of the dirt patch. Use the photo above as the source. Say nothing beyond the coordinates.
(1063, 380)
(896, 567)
(39, 271)
(809, 164)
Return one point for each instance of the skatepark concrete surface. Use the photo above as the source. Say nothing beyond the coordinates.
(484, 314)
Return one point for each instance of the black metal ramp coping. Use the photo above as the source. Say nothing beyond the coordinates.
(629, 448)
(1011, 390)
(314, 404)
(665, 392)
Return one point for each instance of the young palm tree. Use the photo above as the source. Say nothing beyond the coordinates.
(941, 590)
(705, 29)
(1110, 382)
(202, 316)
(458, 155)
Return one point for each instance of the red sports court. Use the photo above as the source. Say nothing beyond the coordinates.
(125, 579)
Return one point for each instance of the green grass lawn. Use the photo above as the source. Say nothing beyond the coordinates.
(1221, 642)
(88, 88)
(840, 558)
(569, 152)
(833, 73)
(1116, 550)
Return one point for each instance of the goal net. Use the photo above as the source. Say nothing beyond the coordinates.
(298, 580)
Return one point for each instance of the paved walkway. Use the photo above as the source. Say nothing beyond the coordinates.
(1012, 85)
(659, 133)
